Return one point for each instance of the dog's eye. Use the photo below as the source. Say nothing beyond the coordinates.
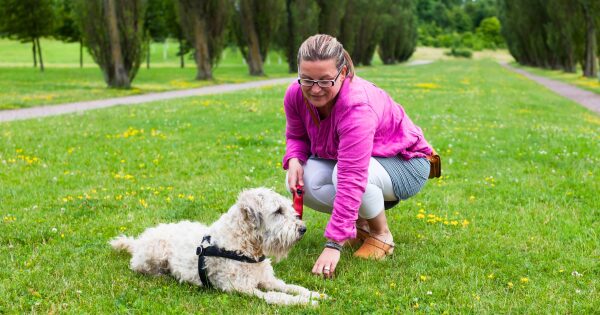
(279, 211)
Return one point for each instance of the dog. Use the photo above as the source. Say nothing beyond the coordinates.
(260, 223)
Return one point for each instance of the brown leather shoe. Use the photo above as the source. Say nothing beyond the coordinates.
(361, 236)
(373, 248)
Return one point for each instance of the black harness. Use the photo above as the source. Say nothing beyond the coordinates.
(215, 251)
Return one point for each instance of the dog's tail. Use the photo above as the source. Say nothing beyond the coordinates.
(123, 242)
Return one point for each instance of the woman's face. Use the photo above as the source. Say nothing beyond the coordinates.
(321, 97)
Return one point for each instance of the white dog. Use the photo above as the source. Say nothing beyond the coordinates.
(231, 251)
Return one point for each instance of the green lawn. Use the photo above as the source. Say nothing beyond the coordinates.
(511, 227)
(63, 81)
(576, 79)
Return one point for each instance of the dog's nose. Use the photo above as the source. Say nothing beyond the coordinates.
(302, 230)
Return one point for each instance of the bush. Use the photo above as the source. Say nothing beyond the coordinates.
(460, 52)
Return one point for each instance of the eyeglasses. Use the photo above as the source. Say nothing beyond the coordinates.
(320, 83)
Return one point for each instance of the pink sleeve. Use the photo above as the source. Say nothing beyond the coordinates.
(297, 143)
(356, 131)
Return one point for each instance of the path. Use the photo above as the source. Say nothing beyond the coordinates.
(588, 99)
(51, 110)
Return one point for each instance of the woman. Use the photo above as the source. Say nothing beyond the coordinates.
(352, 148)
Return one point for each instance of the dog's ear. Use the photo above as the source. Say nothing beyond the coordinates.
(251, 215)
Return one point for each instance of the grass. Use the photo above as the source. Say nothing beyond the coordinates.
(576, 79)
(511, 227)
(23, 86)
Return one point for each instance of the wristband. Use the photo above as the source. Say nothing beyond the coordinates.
(334, 245)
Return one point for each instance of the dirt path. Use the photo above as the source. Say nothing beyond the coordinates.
(51, 110)
(588, 99)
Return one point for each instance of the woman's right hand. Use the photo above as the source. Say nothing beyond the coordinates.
(295, 173)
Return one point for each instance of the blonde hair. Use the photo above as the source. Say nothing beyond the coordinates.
(325, 47)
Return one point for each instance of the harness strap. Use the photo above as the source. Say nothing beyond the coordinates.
(215, 251)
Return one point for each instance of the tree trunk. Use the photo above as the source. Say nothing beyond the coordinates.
(119, 78)
(80, 53)
(34, 50)
(148, 55)
(181, 54)
(253, 58)
(590, 43)
(204, 69)
(40, 54)
(291, 54)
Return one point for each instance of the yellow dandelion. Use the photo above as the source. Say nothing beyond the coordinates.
(190, 198)
(427, 86)
(424, 278)
(420, 216)
(465, 222)
(510, 285)
(524, 280)
(491, 276)
(143, 203)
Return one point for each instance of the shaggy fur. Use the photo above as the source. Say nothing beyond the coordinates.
(261, 222)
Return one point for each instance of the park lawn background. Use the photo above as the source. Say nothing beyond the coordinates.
(511, 227)
(23, 86)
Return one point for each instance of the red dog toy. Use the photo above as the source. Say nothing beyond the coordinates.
(298, 200)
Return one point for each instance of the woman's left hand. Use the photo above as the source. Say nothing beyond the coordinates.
(326, 263)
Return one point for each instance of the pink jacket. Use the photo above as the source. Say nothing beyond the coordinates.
(364, 122)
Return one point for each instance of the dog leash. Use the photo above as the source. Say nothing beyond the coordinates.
(214, 251)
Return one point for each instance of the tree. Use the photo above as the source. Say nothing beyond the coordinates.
(460, 20)
(547, 34)
(155, 24)
(203, 23)
(479, 10)
(588, 8)
(173, 28)
(254, 25)
(489, 30)
(301, 21)
(330, 16)
(113, 32)
(361, 29)
(67, 29)
(27, 21)
(399, 27)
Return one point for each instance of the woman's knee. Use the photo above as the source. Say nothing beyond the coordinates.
(372, 202)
